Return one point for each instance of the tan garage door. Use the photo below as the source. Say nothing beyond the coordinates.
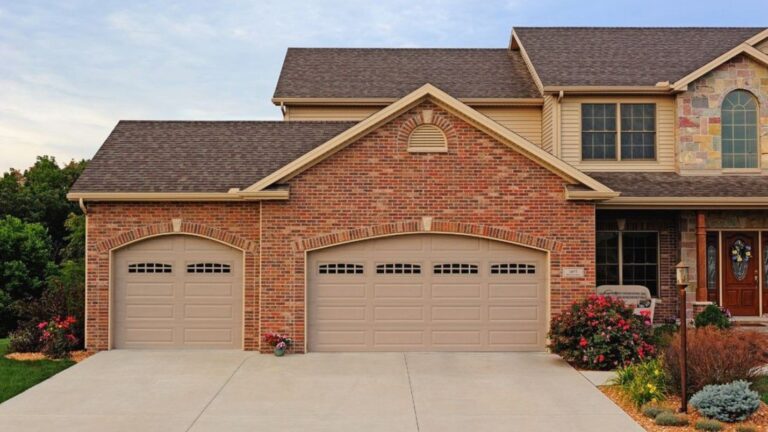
(427, 293)
(178, 292)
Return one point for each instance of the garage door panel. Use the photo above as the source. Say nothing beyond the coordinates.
(398, 313)
(157, 289)
(149, 311)
(457, 314)
(339, 291)
(397, 339)
(515, 338)
(183, 308)
(208, 289)
(466, 291)
(454, 301)
(530, 291)
(197, 311)
(514, 313)
(398, 291)
(208, 336)
(340, 313)
(155, 335)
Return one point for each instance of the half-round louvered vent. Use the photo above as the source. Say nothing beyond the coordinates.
(427, 138)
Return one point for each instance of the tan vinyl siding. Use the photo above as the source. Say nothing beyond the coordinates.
(320, 112)
(525, 121)
(763, 46)
(665, 134)
(547, 124)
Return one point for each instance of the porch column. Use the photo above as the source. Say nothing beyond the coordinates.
(701, 256)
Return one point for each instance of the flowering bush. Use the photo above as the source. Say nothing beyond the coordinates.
(601, 333)
(643, 383)
(278, 341)
(57, 336)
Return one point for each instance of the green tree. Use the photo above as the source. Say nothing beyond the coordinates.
(25, 265)
(39, 195)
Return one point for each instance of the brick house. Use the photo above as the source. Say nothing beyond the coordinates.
(439, 199)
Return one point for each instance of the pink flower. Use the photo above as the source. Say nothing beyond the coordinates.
(42, 325)
(583, 342)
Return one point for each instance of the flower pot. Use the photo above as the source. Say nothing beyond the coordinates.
(279, 352)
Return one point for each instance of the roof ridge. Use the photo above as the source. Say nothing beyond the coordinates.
(403, 48)
(237, 121)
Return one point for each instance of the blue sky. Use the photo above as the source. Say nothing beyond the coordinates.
(70, 69)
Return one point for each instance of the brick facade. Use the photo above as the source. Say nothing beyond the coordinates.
(698, 113)
(373, 187)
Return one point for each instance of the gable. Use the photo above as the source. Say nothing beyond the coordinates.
(449, 104)
(378, 172)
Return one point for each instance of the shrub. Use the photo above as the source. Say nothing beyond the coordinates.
(731, 402)
(601, 333)
(653, 410)
(709, 425)
(671, 419)
(25, 339)
(643, 382)
(57, 337)
(746, 428)
(716, 357)
(663, 334)
(713, 316)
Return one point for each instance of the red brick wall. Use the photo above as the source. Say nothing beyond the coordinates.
(375, 182)
(372, 187)
(116, 224)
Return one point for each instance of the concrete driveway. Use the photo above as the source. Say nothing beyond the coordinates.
(172, 391)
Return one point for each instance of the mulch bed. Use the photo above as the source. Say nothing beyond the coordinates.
(758, 419)
(76, 356)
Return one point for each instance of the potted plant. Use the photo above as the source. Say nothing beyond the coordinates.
(279, 342)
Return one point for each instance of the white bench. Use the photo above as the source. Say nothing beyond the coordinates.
(633, 295)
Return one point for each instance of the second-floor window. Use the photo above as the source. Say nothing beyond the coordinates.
(613, 131)
(739, 130)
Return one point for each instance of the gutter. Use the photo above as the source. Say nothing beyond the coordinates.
(233, 195)
(676, 203)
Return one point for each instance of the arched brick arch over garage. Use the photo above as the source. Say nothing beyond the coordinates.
(113, 226)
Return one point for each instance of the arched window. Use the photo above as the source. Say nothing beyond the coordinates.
(739, 130)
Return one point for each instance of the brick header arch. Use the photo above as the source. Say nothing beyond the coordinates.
(427, 225)
(189, 228)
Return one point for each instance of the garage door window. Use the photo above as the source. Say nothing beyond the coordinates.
(455, 268)
(398, 268)
(512, 268)
(209, 268)
(149, 268)
(340, 268)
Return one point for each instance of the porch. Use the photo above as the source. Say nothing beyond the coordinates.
(642, 247)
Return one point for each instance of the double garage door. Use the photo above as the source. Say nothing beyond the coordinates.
(424, 292)
(427, 293)
(178, 292)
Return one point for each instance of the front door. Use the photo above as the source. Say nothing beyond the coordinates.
(741, 264)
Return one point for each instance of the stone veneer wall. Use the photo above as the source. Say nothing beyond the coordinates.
(698, 113)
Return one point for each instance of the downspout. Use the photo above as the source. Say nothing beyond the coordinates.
(283, 110)
(81, 202)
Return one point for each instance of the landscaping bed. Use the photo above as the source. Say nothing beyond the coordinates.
(759, 419)
(19, 375)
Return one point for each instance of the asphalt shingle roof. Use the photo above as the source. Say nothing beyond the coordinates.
(198, 156)
(669, 184)
(393, 73)
(614, 56)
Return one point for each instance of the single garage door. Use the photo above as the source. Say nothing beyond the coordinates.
(178, 292)
(427, 292)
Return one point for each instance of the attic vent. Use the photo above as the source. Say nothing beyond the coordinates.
(427, 138)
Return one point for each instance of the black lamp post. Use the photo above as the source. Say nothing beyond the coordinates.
(681, 273)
